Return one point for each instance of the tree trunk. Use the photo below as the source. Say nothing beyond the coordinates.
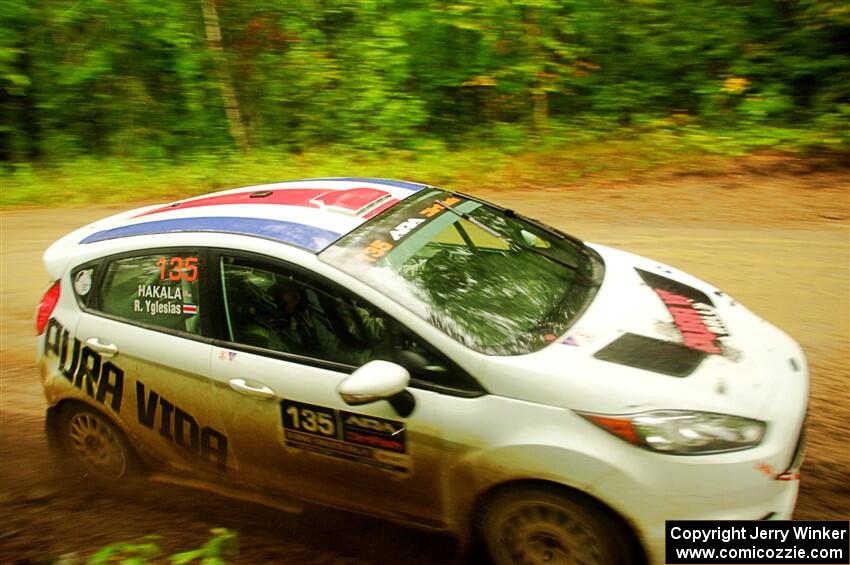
(539, 96)
(541, 110)
(228, 93)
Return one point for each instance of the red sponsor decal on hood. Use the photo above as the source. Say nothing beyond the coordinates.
(689, 322)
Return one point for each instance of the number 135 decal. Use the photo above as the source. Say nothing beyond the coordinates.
(314, 419)
(369, 440)
(178, 268)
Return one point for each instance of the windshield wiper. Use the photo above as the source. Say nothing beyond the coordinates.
(466, 216)
(471, 220)
(582, 246)
(580, 275)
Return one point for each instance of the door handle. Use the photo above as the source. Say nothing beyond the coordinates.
(241, 386)
(105, 349)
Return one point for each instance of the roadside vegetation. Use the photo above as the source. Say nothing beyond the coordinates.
(132, 100)
(580, 162)
(221, 546)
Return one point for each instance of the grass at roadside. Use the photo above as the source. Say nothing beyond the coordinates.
(223, 544)
(562, 163)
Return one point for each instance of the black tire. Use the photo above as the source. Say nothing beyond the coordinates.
(94, 447)
(532, 526)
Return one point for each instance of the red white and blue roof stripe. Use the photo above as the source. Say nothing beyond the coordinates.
(311, 214)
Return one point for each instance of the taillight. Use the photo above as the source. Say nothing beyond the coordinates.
(46, 306)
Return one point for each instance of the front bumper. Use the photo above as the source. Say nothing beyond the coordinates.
(779, 505)
(761, 483)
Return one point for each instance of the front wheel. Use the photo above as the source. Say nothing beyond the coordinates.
(535, 526)
(94, 445)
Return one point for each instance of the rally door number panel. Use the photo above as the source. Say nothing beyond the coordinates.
(299, 335)
(307, 442)
(369, 440)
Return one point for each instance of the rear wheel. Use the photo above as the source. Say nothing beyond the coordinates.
(94, 445)
(535, 526)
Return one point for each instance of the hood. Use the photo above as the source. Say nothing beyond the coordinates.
(656, 338)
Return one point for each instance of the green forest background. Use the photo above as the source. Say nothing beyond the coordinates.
(217, 88)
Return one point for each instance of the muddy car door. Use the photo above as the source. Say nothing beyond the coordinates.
(146, 317)
(288, 340)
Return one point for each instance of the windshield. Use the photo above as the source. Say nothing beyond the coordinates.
(494, 281)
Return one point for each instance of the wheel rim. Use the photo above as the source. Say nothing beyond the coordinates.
(97, 445)
(546, 534)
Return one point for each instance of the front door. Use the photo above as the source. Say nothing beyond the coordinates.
(290, 339)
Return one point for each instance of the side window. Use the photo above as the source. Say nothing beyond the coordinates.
(159, 290)
(428, 366)
(282, 311)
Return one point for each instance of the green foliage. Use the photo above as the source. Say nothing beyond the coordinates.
(221, 545)
(501, 157)
(138, 79)
(127, 553)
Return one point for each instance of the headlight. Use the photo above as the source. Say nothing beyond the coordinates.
(683, 432)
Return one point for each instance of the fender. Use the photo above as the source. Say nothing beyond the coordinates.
(481, 471)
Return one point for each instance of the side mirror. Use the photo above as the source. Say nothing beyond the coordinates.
(373, 381)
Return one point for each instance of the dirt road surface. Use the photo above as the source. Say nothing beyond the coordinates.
(778, 242)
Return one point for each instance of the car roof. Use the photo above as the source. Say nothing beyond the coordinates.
(309, 213)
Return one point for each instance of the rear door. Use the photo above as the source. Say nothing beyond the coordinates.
(288, 340)
(147, 318)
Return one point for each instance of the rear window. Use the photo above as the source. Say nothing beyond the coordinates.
(157, 290)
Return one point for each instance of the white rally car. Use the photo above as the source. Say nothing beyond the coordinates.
(413, 353)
